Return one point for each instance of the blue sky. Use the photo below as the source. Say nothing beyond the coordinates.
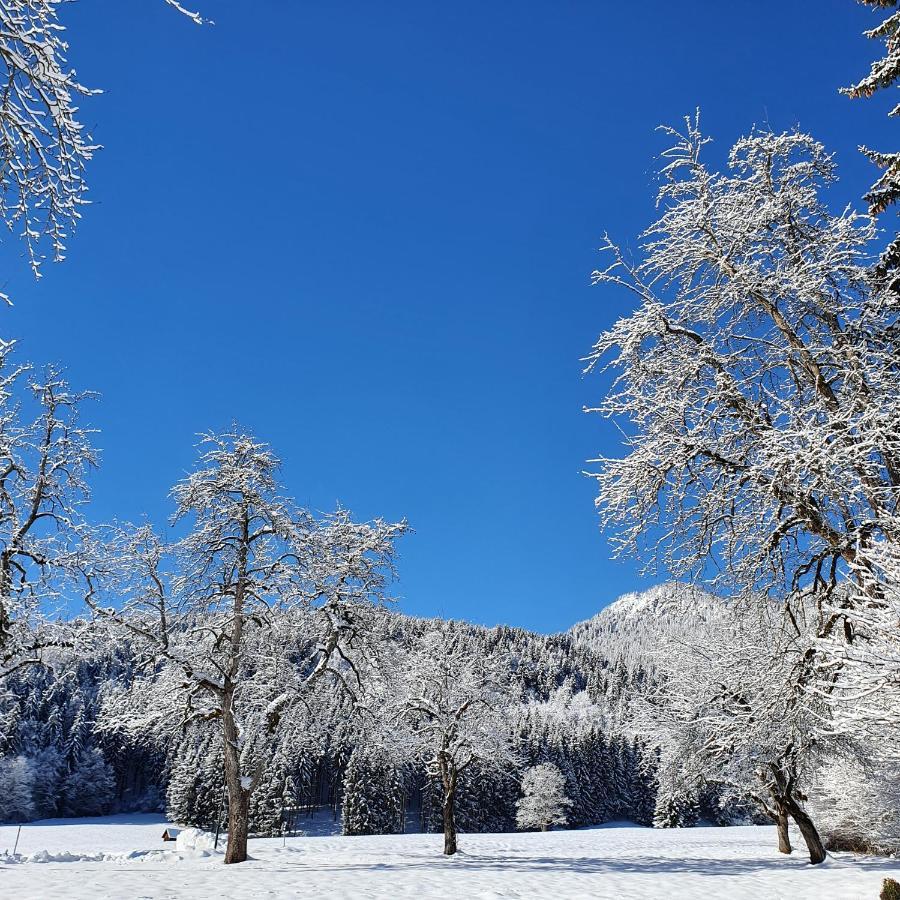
(366, 231)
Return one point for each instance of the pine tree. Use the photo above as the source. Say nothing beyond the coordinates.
(485, 801)
(644, 775)
(89, 788)
(373, 795)
(676, 809)
(16, 787)
(48, 767)
(269, 802)
(181, 794)
(885, 73)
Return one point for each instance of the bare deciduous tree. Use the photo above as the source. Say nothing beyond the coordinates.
(44, 146)
(731, 708)
(221, 623)
(759, 378)
(45, 455)
(453, 700)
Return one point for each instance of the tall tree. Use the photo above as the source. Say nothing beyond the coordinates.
(758, 377)
(223, 624)
(45, 457)
(453, 698)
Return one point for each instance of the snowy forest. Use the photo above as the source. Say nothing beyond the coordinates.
(610, 704)
(244, 665)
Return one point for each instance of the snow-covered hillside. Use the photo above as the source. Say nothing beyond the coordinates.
(626, 628)
(611, 863)
(663, 605)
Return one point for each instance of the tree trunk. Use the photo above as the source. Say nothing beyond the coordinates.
(786, 800)
(448, 773)
(449, 827)
(784, 839)
(808, 830)
(238, 796)
(238, 827)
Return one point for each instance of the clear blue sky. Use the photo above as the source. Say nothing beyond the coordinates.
(366, 231)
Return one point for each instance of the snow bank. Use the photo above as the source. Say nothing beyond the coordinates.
(194, 839)
(45, 856)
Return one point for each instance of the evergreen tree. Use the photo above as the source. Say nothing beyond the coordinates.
(884, 73)
(16, 787)
(89, 788)
(676, 809)
(49, 768)
(373, 794)
(486, 801)
(644, 781)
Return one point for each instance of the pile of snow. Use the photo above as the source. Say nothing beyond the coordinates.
(192, 839)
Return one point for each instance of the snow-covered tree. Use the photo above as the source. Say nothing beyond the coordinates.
(453, 698)
(196, 785)
(884, 73)
(857, 799)
(759, 377)
(44, 146)
(48, 764)
(544, 802)
(16, 788)
(860, 664)
(45, 456)
(677, 808)
(222, 625)
(89, 788)
(373, 793)
(731, 709)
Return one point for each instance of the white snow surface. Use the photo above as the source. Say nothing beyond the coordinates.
(194, 839)
(126, 858)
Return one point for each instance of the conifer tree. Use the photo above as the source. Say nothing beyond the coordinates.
(373, 794)
(48, 765)
(676, 809)
(89, 788)
(884, 73)
(16, 787)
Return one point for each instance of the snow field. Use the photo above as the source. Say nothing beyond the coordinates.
(127, 859)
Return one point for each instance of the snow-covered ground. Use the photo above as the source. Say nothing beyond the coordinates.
(128, 860)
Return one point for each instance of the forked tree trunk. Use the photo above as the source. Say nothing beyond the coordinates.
(786, 800)
(447, 770)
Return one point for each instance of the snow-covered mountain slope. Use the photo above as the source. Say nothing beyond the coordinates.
(628, 628)
(661, 606)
